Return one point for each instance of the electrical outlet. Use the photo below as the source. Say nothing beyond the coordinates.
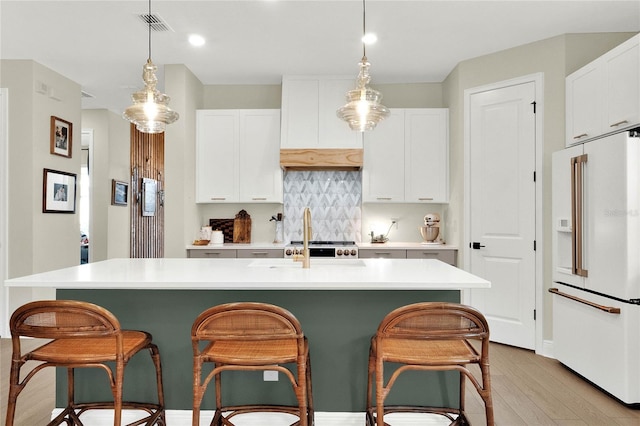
(270, 375)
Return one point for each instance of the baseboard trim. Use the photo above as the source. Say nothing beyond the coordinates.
(183, 418)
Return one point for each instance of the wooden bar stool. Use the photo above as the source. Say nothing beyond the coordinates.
(250, 336)
(83, 335)
(429, 336)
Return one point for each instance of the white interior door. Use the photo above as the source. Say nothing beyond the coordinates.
(502, 209)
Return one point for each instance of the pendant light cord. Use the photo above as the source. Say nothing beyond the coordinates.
(364, 30)
(149, 25)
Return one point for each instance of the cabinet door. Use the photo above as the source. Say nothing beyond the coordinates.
(427, 155)
(259, 254)
(333, 132)
(382, 253)
(622, 90)
(260, 172)
(383, 168)
(211, 254)
(447, 256)
(217, 156)
(583, 98)
(299, 112)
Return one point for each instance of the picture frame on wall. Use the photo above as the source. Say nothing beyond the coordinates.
(119, 193)
(58, 191)
(61, 137)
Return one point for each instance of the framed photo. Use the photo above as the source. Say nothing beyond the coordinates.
(61, 132)
(58, 192)
(119, 193)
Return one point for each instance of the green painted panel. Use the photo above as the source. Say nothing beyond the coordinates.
(338, 324)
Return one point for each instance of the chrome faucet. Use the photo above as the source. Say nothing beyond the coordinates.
(307, 234)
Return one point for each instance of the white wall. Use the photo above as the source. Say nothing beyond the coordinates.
(555, 58)
(38, 241)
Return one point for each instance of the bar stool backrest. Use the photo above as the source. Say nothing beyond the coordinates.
(439, 321)
(247, 321)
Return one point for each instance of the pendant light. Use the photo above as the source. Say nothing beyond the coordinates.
(363, 110)
(150, 111)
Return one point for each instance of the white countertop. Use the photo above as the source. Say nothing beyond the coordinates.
(388, 245)
(257, 274)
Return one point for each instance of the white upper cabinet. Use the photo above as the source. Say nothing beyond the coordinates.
(406, 157)
(217, 148)
(309, 120)
(237, 156)
(427, 155)
(604, 96)
(383, 163)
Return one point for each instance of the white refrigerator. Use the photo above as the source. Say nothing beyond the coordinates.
(596, 262)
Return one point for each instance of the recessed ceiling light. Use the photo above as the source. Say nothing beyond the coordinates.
(369, 38)
(196, 40)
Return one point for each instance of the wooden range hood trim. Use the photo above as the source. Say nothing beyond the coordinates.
(321, 159)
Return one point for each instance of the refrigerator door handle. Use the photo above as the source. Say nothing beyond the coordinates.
(608, 309)
(577, 241)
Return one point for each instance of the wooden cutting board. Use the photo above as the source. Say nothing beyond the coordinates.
(224, 225)
(242, 227)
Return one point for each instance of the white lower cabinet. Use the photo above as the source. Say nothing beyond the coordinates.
(447, 256)
(211, 253)
(382, 253)
(406, 158)
(244, 253)
(237, 156)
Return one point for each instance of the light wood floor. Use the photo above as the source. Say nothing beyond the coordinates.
(529, 389)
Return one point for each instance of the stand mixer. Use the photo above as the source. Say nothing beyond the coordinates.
(431, 229)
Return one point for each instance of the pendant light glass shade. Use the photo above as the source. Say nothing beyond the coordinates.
(363, 110)
(150, 111)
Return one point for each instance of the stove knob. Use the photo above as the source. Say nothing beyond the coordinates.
(346, 252)
(354, 252)
(289, 252)
(339, 252)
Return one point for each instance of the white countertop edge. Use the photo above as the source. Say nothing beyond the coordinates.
(256, 274)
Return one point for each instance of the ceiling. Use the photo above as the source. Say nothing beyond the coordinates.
(102, 45)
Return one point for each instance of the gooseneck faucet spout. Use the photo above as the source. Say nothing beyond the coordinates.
(307, 234)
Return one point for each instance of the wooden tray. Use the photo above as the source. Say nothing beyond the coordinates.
(224, 225)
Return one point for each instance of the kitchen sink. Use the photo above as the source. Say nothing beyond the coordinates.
(315, 263)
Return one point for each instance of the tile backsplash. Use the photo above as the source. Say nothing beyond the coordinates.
(334, 198)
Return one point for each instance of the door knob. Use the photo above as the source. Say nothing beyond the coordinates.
(476, 246)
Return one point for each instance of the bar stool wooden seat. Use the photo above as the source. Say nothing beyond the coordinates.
(427, 336)
(83, 335)
(250, 336)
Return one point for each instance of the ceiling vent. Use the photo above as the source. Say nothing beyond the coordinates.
(157, 23)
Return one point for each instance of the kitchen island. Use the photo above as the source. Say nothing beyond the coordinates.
(339, 303)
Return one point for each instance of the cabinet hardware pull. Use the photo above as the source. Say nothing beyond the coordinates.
(580, 136)
(259, 199)
(425, 199)
(212, 253)
(383, 198)
(259, 253)
(608, 309)
(218, 198)
(619, 123)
